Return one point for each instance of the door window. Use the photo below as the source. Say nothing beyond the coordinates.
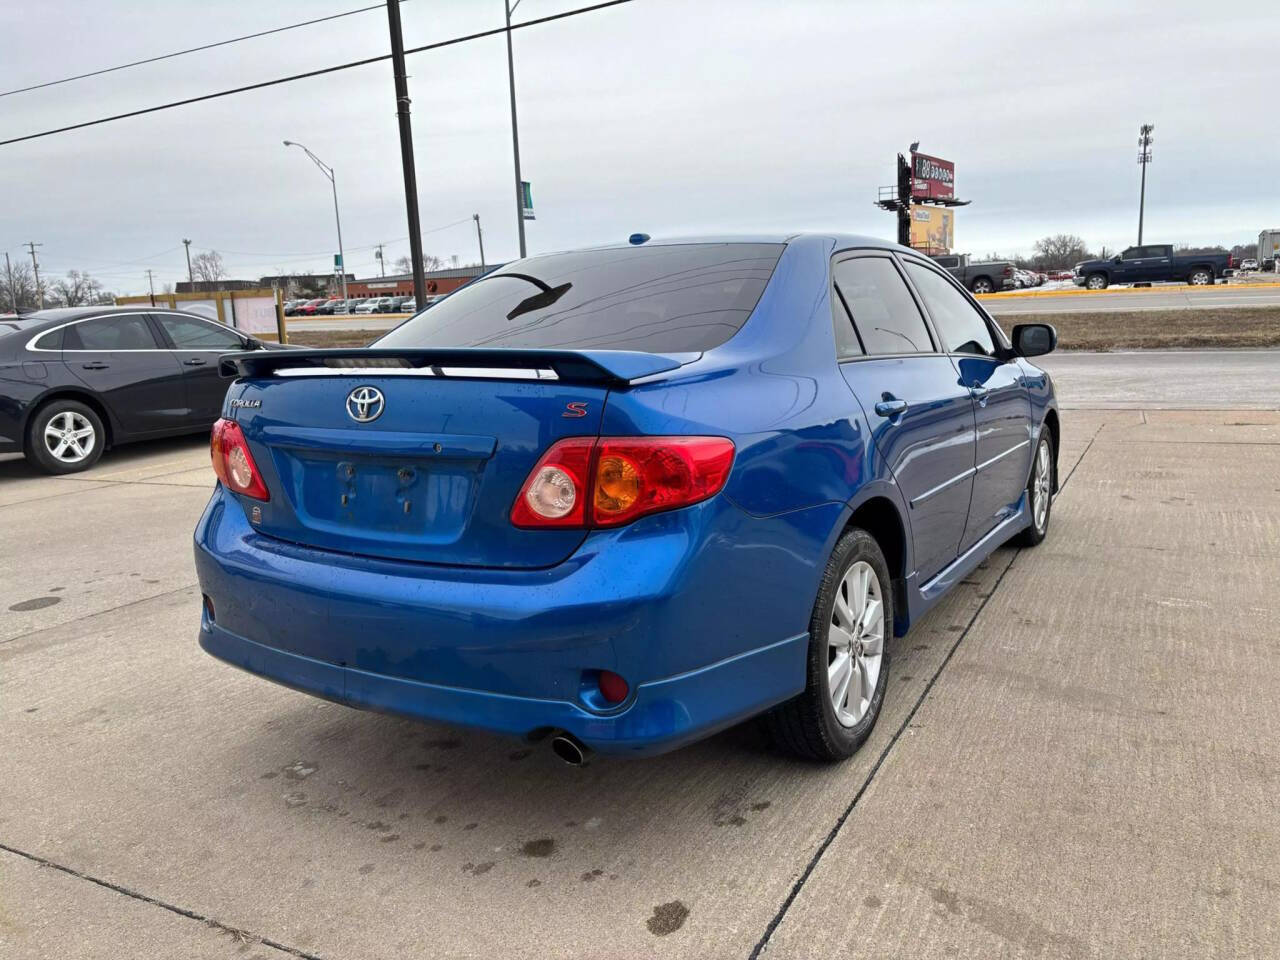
(121, 332)
(960, 326)
(188, 333)
(885, 316)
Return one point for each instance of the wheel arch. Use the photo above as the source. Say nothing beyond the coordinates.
(72, 393)
(882, 517)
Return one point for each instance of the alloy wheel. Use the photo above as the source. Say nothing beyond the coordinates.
(855, 643)
(69, 437)
(1041, 486)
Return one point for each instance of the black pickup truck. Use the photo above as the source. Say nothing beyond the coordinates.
(1155, 263)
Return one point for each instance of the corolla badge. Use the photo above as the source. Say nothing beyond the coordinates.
(365, 404)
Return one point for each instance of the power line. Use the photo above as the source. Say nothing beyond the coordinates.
(181, 53)
(313, 73)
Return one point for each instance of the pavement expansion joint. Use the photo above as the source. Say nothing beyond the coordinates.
(243, 936)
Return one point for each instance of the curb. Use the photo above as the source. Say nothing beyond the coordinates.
(1167, 288)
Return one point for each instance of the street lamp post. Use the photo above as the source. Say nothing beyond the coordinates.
(333, 182)
(515, 127)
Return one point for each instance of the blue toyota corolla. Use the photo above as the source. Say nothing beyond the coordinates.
(628, 496)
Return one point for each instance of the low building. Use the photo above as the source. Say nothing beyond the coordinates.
(401, 284)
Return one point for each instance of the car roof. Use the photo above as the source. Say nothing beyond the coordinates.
(838, 240)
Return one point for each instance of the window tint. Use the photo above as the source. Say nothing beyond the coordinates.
(127, 332)
(847, 344)
(188, 333)
(885, 316)
(50, 341)
(666, 298)
(960, 326)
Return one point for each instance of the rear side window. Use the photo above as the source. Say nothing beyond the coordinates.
(127, 332)
(885, 316)
(664, 299)
(190, 334)
(50, 341)
(958, 323)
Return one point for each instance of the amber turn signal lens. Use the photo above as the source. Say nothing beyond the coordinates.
(617, 485)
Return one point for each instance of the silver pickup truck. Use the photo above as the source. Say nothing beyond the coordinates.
(979, 277)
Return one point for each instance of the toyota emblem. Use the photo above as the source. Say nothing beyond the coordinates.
(365, 404)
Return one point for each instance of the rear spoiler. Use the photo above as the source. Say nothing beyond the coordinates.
(582, 366)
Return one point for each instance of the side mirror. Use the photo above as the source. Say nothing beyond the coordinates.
(1117, 258)
(1034, 339)
(253, 343)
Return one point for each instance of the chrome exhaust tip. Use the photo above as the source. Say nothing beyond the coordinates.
(570, 750)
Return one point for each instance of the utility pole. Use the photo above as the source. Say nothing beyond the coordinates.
(151, 284)
(13, 296)
(1144, 157)
(35, 264)
(406, 150)
(515, 126)
(190, 276)
(382, 267)
(480, 239)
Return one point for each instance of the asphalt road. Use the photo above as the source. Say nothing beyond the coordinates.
(1221, 296)
(1078, 755)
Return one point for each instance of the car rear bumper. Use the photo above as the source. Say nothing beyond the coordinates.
(668, 603)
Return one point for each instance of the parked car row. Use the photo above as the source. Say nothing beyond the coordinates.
(330, 306)
(1022, 279)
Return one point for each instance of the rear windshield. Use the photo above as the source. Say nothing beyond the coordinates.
(663, 299)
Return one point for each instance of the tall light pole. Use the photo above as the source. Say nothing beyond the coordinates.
(190, 276)
(1144, 157)
(515, 126)
(333, 182)
(479, 239)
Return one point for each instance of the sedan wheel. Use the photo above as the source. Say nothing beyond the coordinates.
(1039, 492)
(64, 437)
(847, 663)
(855, 642)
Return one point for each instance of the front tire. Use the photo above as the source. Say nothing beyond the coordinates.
(64, 436)
(1096, 281)
(1039, 492)
(848, 661)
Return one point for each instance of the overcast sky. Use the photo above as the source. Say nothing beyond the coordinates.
(665, 116)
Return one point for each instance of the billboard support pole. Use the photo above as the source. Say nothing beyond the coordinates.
(904, 205)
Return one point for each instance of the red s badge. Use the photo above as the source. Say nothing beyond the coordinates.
(576, 409)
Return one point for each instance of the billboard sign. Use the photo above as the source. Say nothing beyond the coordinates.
(932, 228)
(932, 178)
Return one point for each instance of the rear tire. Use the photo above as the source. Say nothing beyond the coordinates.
(1096, 281)
(1200, 278)
(64, 436)
(982, 285)
(1039, 492)
(848, 660)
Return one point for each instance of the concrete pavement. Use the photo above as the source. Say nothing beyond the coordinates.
(1077, 757)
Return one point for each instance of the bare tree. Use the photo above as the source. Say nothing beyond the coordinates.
(22, 292)
(430, 262)
(1060, 251)
(77, 289)
(208, 266)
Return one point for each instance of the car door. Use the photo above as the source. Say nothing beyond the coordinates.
(919, 413)
(197, 344)
(117, 356)
(1001, 403)
(1159, 260)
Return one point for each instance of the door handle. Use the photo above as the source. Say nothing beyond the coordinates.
(891, 407)
(979, 393)
(195, 362)
(95, 365)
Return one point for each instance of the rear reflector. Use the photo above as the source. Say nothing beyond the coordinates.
(610, 481)
(612, 687)
(233, 463)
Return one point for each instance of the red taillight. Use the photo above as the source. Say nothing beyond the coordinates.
(233, 463)
(606, 482)
(555, 494)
